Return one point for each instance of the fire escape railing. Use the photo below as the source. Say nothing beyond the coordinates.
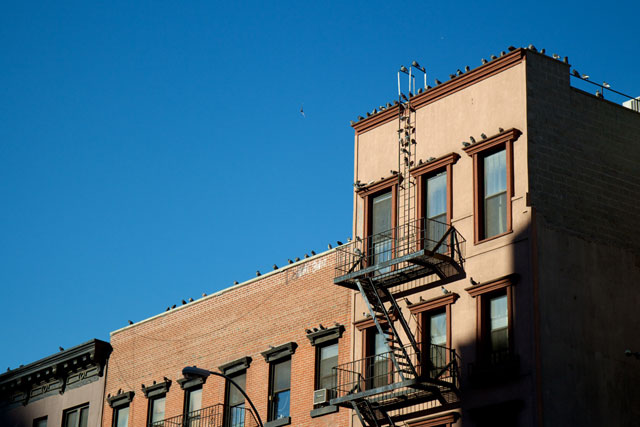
(414, 249)
(377, 375)
(218, 415)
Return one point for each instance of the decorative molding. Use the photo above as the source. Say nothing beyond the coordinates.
(507, 135)
(237, 365)
(363, 324)
(493, 285)
(284, 421)
(324, 335)
(445, 89)
(434, 303)
(324, 410)
(156, 389)
(187, 383)
(439, 163)
(279, 352)
(121, 399)
(381, 185)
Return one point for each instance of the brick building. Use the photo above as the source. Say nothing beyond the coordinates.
(278, 335)
(496, 257)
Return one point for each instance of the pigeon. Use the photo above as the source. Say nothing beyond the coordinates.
(329, 246)
(173, 306)
(275, 267)
(130, 322)
(339, 243)
(444, 290)
(473, 282)
(290, 261)
(483, 136)
(297, 258)
(467, 69)
(313, 252)
(183, 302)
(302, 111)
(465, 143)
(168, 308)
(204, 294)
(60, 348)
(190, 299)
(438, 82)
(484, 61)
(500, 130)
(235, 282)
(258, 273)
(472, 139)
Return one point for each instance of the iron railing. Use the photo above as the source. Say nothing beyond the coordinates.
(426, 245)
(377, 373)
(219, 415)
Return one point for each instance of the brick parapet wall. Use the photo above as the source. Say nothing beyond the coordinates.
(243, 321)
(584, 157)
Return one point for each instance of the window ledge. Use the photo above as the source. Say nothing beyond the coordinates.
(279, 422)
(497, 236)
(329, 409)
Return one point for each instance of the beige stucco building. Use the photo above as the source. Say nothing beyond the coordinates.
(496, 242)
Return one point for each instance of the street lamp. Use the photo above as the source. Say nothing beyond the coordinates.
(193, 372)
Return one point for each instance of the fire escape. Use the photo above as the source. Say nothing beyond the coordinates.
(382, 387)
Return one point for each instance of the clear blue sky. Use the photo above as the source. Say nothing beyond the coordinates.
(152, 151)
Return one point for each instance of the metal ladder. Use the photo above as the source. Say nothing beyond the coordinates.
(371, 416)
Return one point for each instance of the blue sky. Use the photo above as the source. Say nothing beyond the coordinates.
(152, 151)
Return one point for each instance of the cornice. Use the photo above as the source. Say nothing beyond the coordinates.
(438, 163)
(432, 303)
(493, 285)
(445, 89)
(374, 187)
(507, 135)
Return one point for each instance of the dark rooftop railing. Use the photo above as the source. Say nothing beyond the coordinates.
(415, 249)
(213, 416)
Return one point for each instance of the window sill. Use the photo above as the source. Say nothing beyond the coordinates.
(279, 422)
(497, 236)
(324, 410)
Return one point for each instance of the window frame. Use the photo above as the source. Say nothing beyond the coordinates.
(273, 356)
(118, 402)
(478, 151)
(116, 412)
(318, 361)
(37, 421)
(227, 393)
(368, 329)
(187, 402)
(425, 309)
(155, 392)
(483, 292)
(272, 412)
(389, 184)
(150, 405)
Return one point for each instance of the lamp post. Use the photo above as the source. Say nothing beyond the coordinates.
(193, 372)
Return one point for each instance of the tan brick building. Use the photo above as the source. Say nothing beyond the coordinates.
(496, 253)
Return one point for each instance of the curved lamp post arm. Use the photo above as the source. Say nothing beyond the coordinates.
(192, 371)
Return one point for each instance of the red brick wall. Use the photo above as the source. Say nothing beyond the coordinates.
(244, 321)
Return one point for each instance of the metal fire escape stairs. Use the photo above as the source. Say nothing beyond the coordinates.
(405, 357)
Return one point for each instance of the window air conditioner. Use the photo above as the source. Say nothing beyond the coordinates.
(321, 396)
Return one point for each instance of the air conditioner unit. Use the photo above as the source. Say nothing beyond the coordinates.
(633, 104)
(321, 396)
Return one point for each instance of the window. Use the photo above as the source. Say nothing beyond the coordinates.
(156, 394)
(280, 386)
(381, 232)
(156, 410)
(434, 317)
(121, 416)
(378, 360)
(494, 302)
(234, 416)
(379, 219)
(193, 405)
(435, 199)
(76, 417)
(40, 422)
(326, 360)
(279, 360)
(493, 184)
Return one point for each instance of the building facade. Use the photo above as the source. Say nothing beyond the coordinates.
(496, 254)
(278, 336)
(64, 389)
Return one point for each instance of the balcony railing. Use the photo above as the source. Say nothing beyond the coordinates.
(377, 377)
(413, 250)
(213, 416)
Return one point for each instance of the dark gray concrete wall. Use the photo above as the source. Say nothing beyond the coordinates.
(584, 174)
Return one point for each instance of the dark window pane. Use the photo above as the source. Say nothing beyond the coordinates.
(195, 400)
(381, 229)
(438, 337)
(235, 396)
(495, 194)
(157, 409)
(282, 402)
(42, 422)
(437, 196)
(72, 419)
(236, 416)
(328, 361)
(282, 374)
(84, 417)
(499, 324)
(122, 417)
